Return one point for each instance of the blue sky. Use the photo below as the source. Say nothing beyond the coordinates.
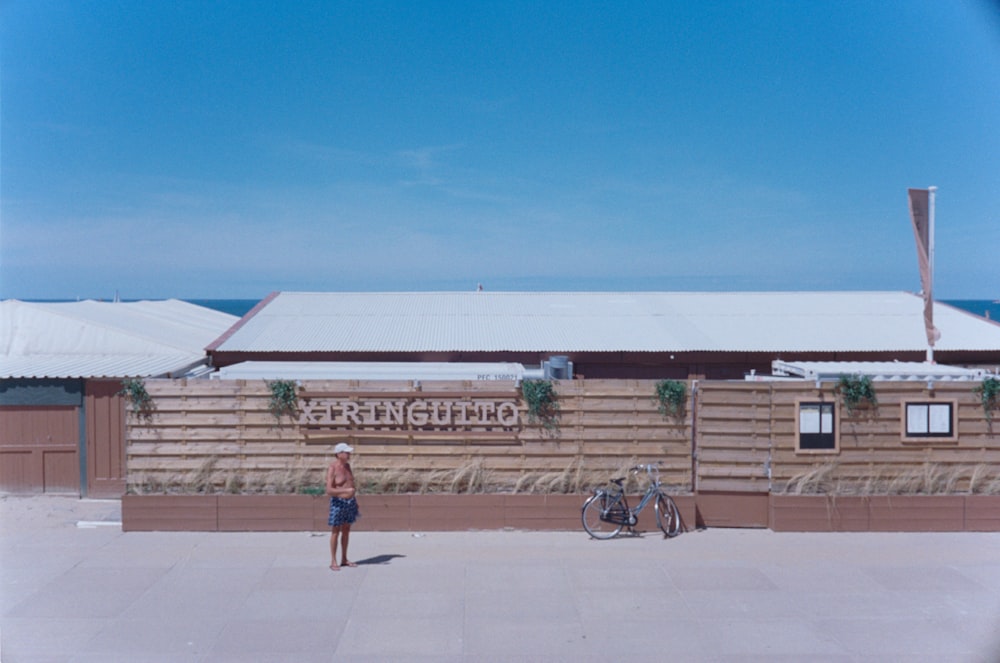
(230, 149)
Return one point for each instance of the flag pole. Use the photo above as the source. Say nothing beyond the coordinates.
(931, 190)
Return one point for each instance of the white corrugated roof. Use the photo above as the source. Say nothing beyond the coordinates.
(877, 370)
(603, 322)
(105, 339)
(347, 370)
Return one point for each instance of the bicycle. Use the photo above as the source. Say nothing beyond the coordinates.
(607, 511)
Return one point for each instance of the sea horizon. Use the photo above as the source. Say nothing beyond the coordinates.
(984, 308)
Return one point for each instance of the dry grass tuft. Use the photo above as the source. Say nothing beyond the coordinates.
(397, 480)
(471, 477)
(146, 484)
(202, 480)
(278, 481)
(930, 479)
(818, 480)
(235, 483)
(983, 480)
(572, 479)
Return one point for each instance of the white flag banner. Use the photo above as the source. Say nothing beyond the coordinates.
(920, 211)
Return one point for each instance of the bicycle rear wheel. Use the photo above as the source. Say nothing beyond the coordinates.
(598, 510)
(668, 517)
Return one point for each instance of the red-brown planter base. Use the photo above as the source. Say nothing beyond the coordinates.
(782, 513)
(268, 513)
(916, 513)
(282, 513)
(731, 509)
(222, 513)
(469, 512)
(170, 513)
(885, 513)
(982, 513)
(818, 513)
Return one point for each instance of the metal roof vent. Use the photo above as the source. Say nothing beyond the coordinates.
(558, 367)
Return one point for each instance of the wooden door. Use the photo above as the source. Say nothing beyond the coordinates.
(105, 409)
(39, 449)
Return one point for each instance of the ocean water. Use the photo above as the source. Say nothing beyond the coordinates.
(237, 307)
(986, 308)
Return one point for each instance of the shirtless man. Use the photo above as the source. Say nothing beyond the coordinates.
(343, 506)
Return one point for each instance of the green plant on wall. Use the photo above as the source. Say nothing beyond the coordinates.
(989, 395)
(671, 396)
(543, 406)
(284, 399)
(140, 402)
(856, 391)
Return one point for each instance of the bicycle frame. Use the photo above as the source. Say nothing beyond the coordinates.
(611, 506)
(630, 514)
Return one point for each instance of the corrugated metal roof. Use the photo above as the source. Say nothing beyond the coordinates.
(877, 370)
(603, 322)
(95, 366)
(296, 370)
(105, 339)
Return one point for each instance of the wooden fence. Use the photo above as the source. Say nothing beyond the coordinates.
(219, 436)
(874, 457)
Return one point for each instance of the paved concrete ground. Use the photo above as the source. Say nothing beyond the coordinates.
(92, 593)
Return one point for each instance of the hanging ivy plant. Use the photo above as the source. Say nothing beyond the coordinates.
(284, 399)
(139, 400)
(855, 391)
(671, 395)
(989, 395)
(543, 408)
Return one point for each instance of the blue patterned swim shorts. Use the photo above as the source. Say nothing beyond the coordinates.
(343, 512)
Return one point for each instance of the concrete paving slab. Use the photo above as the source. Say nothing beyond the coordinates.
(79, 594)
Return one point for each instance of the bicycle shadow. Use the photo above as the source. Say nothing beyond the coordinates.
(630, 534)
(378, 559)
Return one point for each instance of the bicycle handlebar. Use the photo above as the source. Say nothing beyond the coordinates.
(648, 468)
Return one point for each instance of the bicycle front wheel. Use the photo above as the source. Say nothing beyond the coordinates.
(668, 517)
(596, 512)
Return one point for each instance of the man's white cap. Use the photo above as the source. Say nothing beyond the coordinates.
(343, 446)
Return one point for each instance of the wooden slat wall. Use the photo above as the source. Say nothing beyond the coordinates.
(743, 432)
(225, 425)
(733, 442)
(872, 448)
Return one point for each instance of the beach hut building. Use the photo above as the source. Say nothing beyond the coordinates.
(640, 335)
(62, 416)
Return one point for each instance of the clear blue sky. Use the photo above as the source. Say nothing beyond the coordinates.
(228, 149)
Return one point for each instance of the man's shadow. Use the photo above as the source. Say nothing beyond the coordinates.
(378, 559)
